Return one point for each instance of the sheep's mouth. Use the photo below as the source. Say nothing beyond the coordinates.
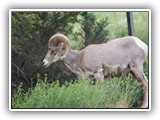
(46, 64)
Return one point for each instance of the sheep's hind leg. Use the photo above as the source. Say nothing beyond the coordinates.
(139, 74)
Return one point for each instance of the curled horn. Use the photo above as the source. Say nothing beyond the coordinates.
(58, 38)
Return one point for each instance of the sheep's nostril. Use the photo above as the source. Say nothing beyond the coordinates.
(45, 63)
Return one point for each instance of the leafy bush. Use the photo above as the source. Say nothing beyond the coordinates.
(31, 32)
(123, 92)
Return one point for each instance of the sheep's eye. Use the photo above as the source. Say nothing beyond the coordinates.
(52, 51)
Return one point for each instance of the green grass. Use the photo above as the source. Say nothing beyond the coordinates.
(117, 27)
(120, 92)
(118, 24)
(123, 92)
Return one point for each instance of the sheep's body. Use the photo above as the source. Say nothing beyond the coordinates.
(116, 55)
(114, 58)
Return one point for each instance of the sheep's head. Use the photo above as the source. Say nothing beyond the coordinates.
(58, 49)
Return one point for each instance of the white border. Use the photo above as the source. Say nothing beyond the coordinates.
(78, 10)
(10, 60)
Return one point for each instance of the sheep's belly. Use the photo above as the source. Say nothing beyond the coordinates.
(115, 71)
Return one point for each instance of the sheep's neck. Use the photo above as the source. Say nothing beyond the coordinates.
(72, 61)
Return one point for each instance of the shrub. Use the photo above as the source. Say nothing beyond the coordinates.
(115, 92)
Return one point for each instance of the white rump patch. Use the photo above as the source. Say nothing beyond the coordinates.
(142, 45)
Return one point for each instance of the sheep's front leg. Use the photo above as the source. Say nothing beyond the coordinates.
(99, 75)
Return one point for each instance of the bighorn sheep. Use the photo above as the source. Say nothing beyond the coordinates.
(116, 57)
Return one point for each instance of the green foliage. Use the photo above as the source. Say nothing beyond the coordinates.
(115, 92)
(87, 30)
(30, 34)
(118, 24)
(141, 25)
(95, 31)
(23, 25)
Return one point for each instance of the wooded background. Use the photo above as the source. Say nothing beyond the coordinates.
(30, 32)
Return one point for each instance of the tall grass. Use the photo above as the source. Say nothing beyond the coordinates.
(123, 92)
